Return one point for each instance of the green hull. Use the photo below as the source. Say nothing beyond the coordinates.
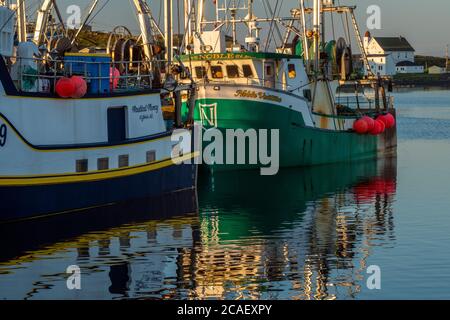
(299, 145)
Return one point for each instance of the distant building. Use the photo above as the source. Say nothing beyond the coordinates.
(436, 70)
(390, 55)
(408, 67)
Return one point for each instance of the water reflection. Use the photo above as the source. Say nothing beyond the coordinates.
(304, 234)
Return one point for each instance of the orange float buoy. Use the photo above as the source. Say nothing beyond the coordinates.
(389, 121)
(360, 126)
(378, 128)
(114, 77)
(80, 87)
(370, 122)
(65, 87)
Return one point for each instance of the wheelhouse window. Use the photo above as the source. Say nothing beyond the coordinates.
(248, 71)
(200, 72)
(292, 73)
(269, 71)
(184, 73)
(217, 72)
(233, 72)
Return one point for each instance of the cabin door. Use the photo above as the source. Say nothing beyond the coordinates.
(269, 74)
(117, 125)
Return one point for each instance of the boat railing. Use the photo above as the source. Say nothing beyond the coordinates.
(102, 77)
(362, 102)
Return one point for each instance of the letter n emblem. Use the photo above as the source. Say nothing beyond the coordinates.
(208, 114)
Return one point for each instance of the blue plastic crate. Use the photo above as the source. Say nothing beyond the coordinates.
(91, 65)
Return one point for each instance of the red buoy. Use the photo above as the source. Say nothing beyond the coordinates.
(65, 87)
(80, 87)
(378, 128)
(360, 126)
(370, 122)
(389, 121)
(114, 77)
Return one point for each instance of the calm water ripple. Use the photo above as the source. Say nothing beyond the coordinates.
(304, 234)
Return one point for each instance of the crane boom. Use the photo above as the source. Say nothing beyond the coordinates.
(42, 20)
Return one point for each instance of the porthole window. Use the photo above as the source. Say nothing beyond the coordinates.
(103, 164)
(82, 165)
(151, 156)
(124, 161)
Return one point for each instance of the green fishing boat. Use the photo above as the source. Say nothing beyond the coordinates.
(292, 91)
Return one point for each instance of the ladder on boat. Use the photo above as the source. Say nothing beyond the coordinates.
(360, 43)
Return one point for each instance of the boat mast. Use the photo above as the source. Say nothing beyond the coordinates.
(86, 20)
(145, 24)
(233, 11)
(21, 21)
(188, 14)
(306, 55)
(168, 14)
(200, 16)
(317, 33)
(42, 20)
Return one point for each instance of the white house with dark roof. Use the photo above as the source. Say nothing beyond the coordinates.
(390, 55)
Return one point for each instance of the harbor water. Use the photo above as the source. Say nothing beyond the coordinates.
(303, 234)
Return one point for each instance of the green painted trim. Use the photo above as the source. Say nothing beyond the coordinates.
(237, 56)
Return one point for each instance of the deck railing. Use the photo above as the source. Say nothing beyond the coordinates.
(363, 102)
(41, 75)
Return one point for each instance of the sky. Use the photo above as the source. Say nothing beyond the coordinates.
(425, 23)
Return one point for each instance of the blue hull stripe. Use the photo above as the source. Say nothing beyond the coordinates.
(34, 201)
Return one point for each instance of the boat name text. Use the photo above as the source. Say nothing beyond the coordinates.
(257, 95)
(146, 111)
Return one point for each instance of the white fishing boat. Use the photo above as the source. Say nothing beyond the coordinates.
(82, 130)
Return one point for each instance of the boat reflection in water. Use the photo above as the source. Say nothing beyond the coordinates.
(303, 234)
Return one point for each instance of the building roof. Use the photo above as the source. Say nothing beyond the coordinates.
(407, 64)
(377, 55)
(394, 44)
